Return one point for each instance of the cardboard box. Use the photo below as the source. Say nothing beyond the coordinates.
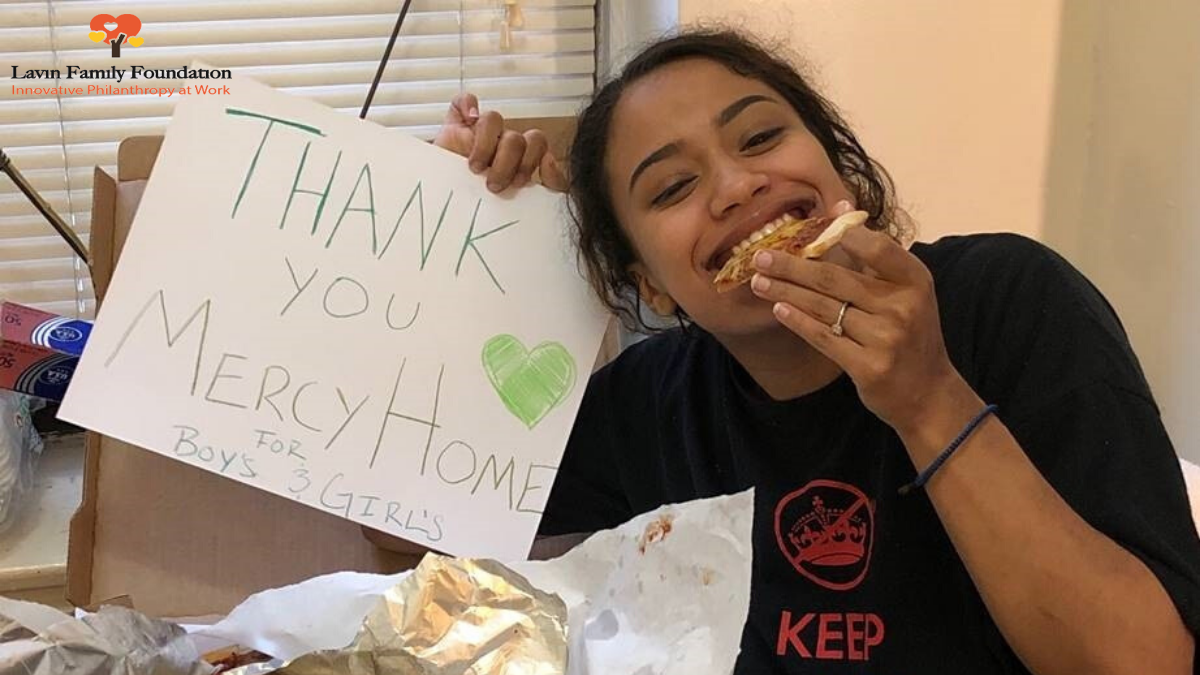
(39, 350)
(176, 541)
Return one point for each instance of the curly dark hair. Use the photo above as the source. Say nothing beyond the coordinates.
(604, 246)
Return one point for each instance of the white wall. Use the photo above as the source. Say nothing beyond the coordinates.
(1123, 182)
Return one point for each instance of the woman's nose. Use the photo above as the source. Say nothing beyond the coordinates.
(736, 187)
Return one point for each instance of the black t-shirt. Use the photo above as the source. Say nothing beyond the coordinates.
(848, 576)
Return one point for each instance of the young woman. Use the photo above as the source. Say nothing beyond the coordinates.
(1054, 538)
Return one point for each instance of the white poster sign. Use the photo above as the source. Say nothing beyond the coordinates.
(344, 316)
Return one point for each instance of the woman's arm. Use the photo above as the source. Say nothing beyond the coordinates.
(1066, 597)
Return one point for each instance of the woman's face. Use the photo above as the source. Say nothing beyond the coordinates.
(699, 158)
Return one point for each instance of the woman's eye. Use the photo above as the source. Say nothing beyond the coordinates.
(762, 138)
(671, 192)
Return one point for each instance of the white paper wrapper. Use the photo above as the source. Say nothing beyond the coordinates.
(664, 594)
(317, 614)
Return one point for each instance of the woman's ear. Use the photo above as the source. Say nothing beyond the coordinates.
(654, 297)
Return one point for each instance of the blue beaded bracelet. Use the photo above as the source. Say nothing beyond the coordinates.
(937, 463)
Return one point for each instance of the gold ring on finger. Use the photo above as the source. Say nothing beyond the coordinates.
(836, 328)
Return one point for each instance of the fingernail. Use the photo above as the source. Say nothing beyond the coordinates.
(842, 206)
(781, 310)
(494, 187)
(762, 260)
(477, 167)
(473, 113)
(760, 283)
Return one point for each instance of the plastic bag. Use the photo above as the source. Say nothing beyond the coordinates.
(20, 450)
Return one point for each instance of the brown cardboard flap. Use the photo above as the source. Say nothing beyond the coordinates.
(136, 156)
(129, 195)
(81, 540)
(104, 198)
(180, 541)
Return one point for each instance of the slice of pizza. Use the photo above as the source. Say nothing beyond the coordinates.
(808, 238)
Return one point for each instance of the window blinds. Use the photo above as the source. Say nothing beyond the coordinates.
(326, 50)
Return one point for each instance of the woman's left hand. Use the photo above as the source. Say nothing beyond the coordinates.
(891, 344)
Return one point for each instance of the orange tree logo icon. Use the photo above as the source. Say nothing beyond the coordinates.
(116, 31)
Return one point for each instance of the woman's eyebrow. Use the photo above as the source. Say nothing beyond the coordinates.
(728, 114)
(656, 156)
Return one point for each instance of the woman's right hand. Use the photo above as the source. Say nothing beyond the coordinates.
(507, 157)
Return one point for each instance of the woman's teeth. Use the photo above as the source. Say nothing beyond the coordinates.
(763, 231)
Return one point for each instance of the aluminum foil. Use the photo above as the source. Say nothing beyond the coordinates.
(40, 640)
(451, 616)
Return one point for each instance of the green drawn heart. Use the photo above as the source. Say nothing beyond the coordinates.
(530, 383)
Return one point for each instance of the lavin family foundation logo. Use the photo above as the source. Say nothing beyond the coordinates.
(116, 31)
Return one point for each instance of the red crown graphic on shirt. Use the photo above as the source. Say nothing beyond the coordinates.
(827, 536)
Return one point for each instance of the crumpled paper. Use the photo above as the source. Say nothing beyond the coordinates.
(451, 616)
(665, 594)
(39, 640)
